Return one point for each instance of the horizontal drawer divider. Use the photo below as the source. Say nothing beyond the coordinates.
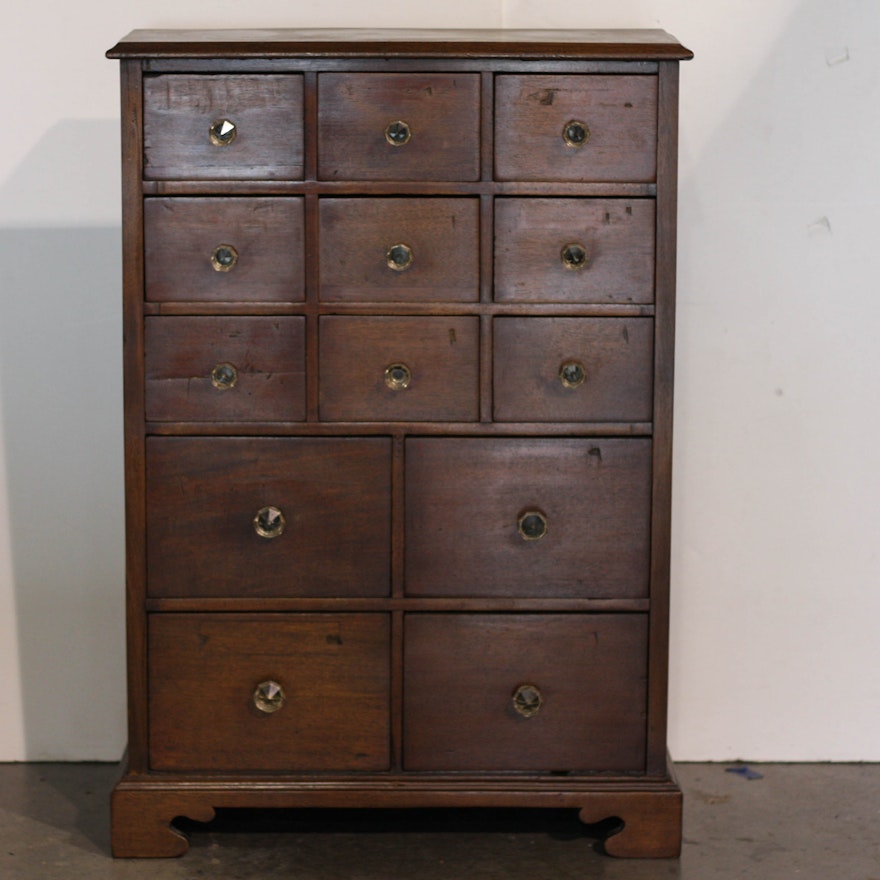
(414, 604)
(347, 429)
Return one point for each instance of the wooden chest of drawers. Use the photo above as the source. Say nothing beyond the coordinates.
(399, 314)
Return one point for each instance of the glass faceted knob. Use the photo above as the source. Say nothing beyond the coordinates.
(574, 256)
(532, 525)
(269, 696)
(222, 132)
(527, 700)
(397, 133)
(572, 374)
(224, 376)
(575, 133)
(399, 257)
(397, 376)
(224, 257)
(269, 522)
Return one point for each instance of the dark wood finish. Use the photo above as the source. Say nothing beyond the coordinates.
(442, 112)
(616, 234)
(183, 233)
(182, 353)
(465, 497)
(461, 672)
(616, 355)
(333, 670)
(440, 353)
(406, 511)
(620, 113)
(179, 111)
(357, 234)
(203, 495)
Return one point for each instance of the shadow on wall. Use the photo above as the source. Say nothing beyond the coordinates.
(61, 418)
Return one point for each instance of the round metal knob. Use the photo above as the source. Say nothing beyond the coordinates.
(224, 257)
(397, 376)
(575, 133)
(574, 256)
(224, 376)
(532, 525)
(572, 374)
(269, 522)
(399, 257)
(222, 132)
(527, 700)
(397, 133)
(269, 696)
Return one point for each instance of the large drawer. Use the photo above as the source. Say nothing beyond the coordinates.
(223, 127)
(251, 692)
(224, 249)
(542, 517)
(268, 516)
(582, 127)
(540, 692)
(399, 368)
(573, 369)
(394, 250)
(574, 250)
(390, 126)
(224, 368)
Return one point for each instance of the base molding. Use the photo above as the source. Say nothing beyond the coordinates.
(144, 806)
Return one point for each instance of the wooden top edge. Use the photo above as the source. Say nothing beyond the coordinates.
(402, 43)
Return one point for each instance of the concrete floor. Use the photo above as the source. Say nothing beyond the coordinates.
(800, 821)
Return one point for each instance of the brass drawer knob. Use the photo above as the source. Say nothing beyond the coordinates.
(527, 700)
(224, 257)
(397, 376)
(224, 376)
(575, 133)
(572, 374)
(269, 522)
(532, 525)
(397, 133)
(574, 256)
(269, 696)
(222, 132)
(399, 257)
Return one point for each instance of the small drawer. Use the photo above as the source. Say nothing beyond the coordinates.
(253, 517)
(219, 369)
(251, 692)
(574, 250)
(389, 126)
(223, 250)
(398, 250)
(581, 128)
(223, 127)
(540, 692)
(573, 369)
(399, 369)
(539, 518)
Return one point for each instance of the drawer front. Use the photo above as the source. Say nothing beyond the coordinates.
(579, 128)
(401, 249)
(399, 369)
(208, 710)
(573, 369)
(388, 126)
(224, 249)
(574, 250)
(547, 517)
(223, 127)
(213, 516)
(539, 692)
(225, 369)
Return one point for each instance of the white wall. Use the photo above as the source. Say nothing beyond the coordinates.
(774, 651)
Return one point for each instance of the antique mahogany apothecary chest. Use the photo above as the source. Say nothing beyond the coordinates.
(399, 315)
